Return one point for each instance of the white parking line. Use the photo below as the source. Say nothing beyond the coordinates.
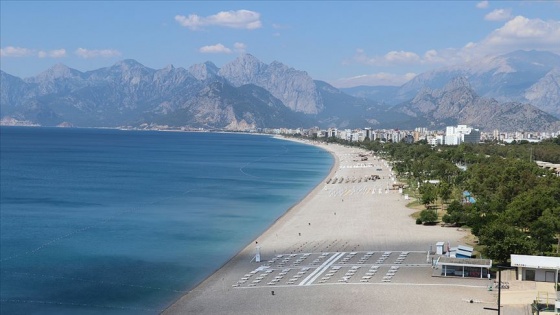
(315, 274)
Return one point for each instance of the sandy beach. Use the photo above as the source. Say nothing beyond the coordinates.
(349, 247)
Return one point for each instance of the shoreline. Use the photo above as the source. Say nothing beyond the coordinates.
(248, 247)
(353, 216)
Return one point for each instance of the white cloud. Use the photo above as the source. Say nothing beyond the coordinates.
(432, 56)
(400, 57)
(57, 53)
(215, 49)
(94, 53)
(482, 5)
(523, 33)
(519, 33)
(375, 79)
(221, 49)
(240, 47)
(390, 58)
(242, 19)
(498, 15)
(12, 51)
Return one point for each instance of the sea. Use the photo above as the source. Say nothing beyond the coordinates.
(104, 221)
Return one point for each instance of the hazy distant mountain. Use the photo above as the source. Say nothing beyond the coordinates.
(546, 92)
(521, 76)
(205, 72)
(221, 105)
(245, 93)
(458, 103)
(294, 88)
(382, 94)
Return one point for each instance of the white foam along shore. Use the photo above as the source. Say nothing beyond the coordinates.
(351, 215)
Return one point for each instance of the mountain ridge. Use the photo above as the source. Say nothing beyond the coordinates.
(458, 103)
(520, 76)
(243, 94)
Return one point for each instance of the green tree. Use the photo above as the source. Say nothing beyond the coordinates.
(428, 216)
(428, 194)
(528, 207)
(455, 213)
(542, 233)
(444, 192)
(502, 240)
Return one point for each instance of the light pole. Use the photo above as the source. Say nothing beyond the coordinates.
(500, 268)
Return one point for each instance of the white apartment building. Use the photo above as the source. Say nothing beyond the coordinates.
(461, 133)
(436, 140)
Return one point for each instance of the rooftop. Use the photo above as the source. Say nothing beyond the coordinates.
(450, 261)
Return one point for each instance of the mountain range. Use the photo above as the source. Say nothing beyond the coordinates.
(247, 94)
(521, 76)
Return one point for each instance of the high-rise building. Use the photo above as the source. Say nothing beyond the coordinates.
(461, 133)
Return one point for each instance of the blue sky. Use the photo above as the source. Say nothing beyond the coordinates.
(345, 43)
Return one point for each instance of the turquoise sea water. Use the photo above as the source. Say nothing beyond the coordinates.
(125, 222)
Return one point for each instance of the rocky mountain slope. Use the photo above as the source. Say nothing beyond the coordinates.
(521, 76)
(458, 103)
(545, 93)
(243, 94)
(246, 94)
(298, 93)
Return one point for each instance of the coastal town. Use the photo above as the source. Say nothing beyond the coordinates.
(452, 135)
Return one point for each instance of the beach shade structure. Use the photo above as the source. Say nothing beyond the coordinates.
(477, 268)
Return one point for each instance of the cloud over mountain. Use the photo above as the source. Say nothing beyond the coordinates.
(57, 53)
(518, 33)
(242, 19)
(380, 78)
(221, 49)
(94, 53)
(12, 51)
(215, 49)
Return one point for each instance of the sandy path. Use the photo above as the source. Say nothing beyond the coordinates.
(343, 217)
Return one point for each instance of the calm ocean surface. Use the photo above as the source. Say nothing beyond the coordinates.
(125, 222)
